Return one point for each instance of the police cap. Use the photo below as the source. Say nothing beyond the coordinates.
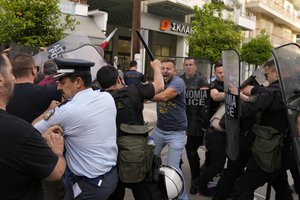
(68, 66)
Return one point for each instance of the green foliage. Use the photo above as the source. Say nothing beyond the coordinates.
(32, 22)
(257, 50)
(211, 33)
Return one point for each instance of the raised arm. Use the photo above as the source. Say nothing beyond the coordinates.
(158, 81)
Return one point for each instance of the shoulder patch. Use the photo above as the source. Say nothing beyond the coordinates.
(49, 114)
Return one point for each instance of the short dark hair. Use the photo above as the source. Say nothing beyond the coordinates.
(107, 76)
(22, 64)
(191, 58)
(270, 63)
(169, 60)
(50, 67)
(218, 64)
(133, 63)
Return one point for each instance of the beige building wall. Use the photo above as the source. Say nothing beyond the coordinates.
(274, 24)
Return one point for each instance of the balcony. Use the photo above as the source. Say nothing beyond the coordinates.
(246, 22)
(274, 11)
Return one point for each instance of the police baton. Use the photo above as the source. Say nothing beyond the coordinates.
(145, 45)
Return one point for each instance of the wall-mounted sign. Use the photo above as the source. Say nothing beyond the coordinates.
(166, 25)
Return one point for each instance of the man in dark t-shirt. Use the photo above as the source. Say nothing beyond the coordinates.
(110, 80)
(29, 100)
(25, 157)
(132, 75)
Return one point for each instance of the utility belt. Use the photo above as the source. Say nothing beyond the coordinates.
(93, 181)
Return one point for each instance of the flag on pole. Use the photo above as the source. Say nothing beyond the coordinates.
(105, 42)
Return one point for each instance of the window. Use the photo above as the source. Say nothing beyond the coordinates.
(162, 50)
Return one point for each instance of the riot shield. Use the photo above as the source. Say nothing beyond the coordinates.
(88, 52)
(287, 59)
(231, 70)
(197, 94)
(70, 42)
(77, 46)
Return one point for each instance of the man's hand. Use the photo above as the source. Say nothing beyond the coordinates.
(55, 140)
(155, 63)
(53, 104)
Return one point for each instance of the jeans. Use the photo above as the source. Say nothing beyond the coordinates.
(175, 140)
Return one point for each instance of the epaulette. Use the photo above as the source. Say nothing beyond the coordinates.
(63, 103)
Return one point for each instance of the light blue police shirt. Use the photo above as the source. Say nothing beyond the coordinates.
(89, 125)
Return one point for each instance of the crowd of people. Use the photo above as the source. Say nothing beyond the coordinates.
(61, 139)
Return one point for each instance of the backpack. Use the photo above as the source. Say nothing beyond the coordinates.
(135, 155)
(267, 147)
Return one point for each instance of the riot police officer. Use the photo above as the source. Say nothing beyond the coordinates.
(269, 102)
(196, 98)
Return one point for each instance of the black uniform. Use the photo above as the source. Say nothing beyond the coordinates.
(269, 102)
(236, 167)
(215, 141)
(136, 94)
(195, 104)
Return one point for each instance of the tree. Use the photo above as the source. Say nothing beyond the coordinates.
(32, 22)
(257, 50)
(212, 33)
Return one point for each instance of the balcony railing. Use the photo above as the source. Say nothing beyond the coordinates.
(277, 8)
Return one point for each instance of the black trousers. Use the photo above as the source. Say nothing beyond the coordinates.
(141, 191)
(254, 177)
(216, 145)
(195, 135)
(234, 168)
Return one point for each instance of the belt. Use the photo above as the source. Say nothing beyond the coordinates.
(93, 181)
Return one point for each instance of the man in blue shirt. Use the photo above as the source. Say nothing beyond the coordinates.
(171, 117)
(133, 76)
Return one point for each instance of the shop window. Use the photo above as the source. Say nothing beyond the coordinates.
(162, 50)
(124, 44)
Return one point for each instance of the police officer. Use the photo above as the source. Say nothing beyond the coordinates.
(215, 138)
(88, 120)
(195, 99)
(236, 167)
(269, 102)
(130, 103)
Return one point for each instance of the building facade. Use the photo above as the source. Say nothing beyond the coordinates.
(166, 23)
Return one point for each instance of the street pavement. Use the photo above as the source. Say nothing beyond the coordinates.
(150, 117)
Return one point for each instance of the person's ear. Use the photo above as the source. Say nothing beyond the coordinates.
(79, 82)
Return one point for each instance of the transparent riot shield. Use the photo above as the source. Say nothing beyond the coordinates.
(70, 42)
(287, 59)
(197, 92)
(76, 46)
(88, 52)
(231, 70)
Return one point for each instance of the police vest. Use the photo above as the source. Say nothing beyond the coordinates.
(125, 111)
